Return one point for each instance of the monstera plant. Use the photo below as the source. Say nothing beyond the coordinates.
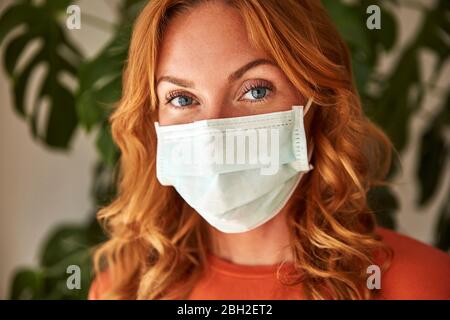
(389, 99)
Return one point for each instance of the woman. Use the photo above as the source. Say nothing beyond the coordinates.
(186, 229)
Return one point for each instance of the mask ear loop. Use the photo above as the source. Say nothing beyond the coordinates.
(310, 151)
(308, 104)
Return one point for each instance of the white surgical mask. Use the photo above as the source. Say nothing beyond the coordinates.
(237, 173)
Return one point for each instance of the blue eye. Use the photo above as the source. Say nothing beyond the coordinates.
(257, 93)
(181, 101)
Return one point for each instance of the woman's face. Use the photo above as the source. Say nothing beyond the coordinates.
(207, 69)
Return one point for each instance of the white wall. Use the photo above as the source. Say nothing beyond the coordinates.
(40, 188)
(418, 222)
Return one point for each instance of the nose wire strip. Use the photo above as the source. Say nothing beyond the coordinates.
(297, 132)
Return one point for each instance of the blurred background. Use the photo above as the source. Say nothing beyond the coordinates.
(58, 162)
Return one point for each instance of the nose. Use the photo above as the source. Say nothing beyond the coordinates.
(218, 110)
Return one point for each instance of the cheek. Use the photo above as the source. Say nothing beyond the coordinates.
(288, 97)
(164, 117)
(286, 94)
(168, 116)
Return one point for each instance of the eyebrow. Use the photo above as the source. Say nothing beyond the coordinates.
(232, 77)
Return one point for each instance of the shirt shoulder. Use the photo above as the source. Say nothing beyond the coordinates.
(418, 271)
(99, 286)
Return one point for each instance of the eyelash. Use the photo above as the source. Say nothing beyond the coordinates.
(248, 87)
(259, 84)
(175, 94)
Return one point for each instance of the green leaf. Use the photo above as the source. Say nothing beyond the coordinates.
(62, 241)
(101, 80)
(87, 109)
(62, 120)
(26, 285)
(387, 35)
(20, 83)
(14, 49)
(442, 239)
(57, 5)
(14, 16)
(349, 23)
(56, 276)
(383, 203)
(433, 154)
(106, 146)
(362, 72)
(57, 54)
(392, 108)
(445, 114)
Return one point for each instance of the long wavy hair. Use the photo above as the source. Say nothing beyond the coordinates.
(157, 246)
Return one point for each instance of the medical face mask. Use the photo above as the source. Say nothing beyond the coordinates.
(237, 173)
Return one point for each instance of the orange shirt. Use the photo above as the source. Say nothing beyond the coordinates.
(418, 271)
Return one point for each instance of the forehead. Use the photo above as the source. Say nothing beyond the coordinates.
(208, 37)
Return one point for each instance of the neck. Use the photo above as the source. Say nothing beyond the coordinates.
(266, 245)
